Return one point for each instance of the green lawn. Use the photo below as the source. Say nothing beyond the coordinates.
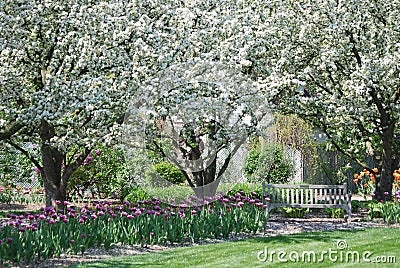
(373, 242)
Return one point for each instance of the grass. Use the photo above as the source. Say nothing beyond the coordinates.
(244, 253)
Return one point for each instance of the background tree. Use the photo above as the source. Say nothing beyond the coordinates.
(69, 68)
(336, 64)
(63, 79)
(196, 120)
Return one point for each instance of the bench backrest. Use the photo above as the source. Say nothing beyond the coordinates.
(305, 194)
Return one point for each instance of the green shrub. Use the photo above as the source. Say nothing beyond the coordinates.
(294, 212)
(248, 189)
(356, 205)
(166, 171)
(335, 212)
(389, 211)
(103, 174)
(268, 164)
(137, 194)
(5, 196)
(374, 210)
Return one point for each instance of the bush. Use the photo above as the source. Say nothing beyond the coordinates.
(137, 194)
(294, 212)
(356, 205)
(248, 189)
(102, 174)
(268, 164)
(166, 171)
(335, 212)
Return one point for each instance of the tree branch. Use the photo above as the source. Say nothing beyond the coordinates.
(9, 133)
(354, 49)
(26, 153)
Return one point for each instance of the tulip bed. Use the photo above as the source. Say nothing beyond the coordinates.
(36, 236)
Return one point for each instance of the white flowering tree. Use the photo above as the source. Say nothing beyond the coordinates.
(63, 78)
(69, 68)
(336, 64)
(195, 119)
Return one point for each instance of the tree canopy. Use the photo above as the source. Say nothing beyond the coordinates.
(69, 69)
(336, 64)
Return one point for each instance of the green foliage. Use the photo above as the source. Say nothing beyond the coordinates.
(335, 212)
(294, 212)
(356, 205)
(375, 210)
(5, 196)
(166, 171)
(137, 194)
(15, 167)
(21, 195)
(103, 174)
(146, 223)
(389, 211)
(252, 162)
(268, 164)
(248, 189)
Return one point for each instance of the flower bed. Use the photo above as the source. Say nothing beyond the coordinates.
(34, 237)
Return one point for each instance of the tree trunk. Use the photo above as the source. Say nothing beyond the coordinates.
(54, 183)
(387, 163)
(207, 191)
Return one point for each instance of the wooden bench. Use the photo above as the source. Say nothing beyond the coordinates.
(307, 196)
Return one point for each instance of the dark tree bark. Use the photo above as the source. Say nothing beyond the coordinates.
(55, 176)
(388, 162)
(55, 185)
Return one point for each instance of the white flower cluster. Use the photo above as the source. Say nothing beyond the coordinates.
(77, 64)
(337, 64)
